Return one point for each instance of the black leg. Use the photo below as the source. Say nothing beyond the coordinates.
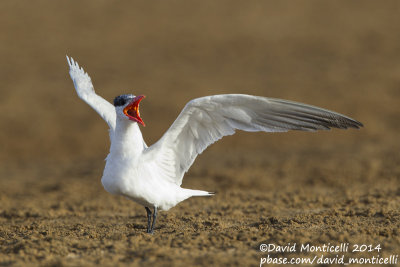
(154, 220)
(148, 219)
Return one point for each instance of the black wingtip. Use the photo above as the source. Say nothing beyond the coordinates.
(356, 124)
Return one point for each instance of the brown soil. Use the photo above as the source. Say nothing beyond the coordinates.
(327, 187)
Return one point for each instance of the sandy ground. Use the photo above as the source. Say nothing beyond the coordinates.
(334, 187)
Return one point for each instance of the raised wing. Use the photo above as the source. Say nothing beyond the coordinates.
(84, 89)
(205, 120)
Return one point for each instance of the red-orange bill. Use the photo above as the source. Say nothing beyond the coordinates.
(132, 110)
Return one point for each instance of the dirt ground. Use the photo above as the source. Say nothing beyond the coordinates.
(333, 187)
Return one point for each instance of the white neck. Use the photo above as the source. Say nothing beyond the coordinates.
(127, 140)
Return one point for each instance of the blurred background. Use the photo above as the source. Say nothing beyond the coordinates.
(340, 55)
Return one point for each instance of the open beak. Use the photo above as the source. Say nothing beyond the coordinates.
(132, 110)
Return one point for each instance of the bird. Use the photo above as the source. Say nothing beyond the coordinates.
(152, 175)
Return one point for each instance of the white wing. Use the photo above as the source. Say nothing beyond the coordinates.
(84, 89)
(205, 120)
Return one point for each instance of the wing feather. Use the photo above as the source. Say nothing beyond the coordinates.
(205, 120)
(85, 90)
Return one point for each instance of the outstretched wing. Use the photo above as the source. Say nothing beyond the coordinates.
(84, 89)
(205, 120)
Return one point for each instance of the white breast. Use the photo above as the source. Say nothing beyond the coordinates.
(140, 183)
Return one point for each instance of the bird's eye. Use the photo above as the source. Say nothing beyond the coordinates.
(119, 101)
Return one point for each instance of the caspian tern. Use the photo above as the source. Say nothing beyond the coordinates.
(152, 176)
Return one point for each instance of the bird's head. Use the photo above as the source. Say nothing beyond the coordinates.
(127, 106)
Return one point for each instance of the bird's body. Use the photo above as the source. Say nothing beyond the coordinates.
(131, 173)
(152, 176)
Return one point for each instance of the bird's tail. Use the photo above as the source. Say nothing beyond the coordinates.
(198, 193)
